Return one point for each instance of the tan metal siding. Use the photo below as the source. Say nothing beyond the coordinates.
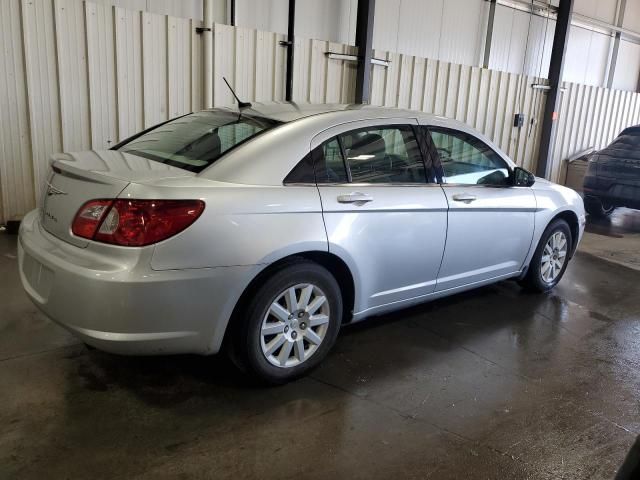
(16, 169)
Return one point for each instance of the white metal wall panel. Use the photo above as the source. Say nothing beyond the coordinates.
(125, 69)
(332, 20)
(128, 51)
(485, 99)
(266, 15)
(16, 169)
(521, 43)
(590, 116)
(154, 68)
(603, 10)
(102, 75)
(587, 56)
(462, 34)
(177, 8)
(224, 54)
(72, 78)
(632, 15)
(627, 74)
(179, 65)
(182, 8)
(72, 68)
(385, 26)
(451, 30)
(42, 86)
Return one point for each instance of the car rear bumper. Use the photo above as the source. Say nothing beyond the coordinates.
(119, 304)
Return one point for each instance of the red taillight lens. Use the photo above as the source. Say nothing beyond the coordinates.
(89, 218)
(136, 223)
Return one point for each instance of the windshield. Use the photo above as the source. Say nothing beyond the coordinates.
(195, 141)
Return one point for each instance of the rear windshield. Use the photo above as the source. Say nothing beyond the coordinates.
(195, 141)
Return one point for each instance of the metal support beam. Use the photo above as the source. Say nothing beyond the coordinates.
(556, 68)
(291, 27)
(364, 42)
(232, 13)
(613, 61)
(489, 36)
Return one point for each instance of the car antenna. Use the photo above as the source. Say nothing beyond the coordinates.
(241, 104)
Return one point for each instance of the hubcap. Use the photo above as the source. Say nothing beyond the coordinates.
(295, 325)
(553, 256)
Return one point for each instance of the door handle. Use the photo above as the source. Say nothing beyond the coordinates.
(464, 197)
(355, 197)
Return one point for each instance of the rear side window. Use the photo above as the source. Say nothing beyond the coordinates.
(323, 165)
(384, 155)
(195, 141)
(373, 155)
(330, 166)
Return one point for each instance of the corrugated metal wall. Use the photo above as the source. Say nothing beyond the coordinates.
(84, 75)
(80, 75)
(590, 117)
(485, 99)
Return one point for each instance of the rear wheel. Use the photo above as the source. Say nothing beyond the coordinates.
(290, 323)
(598, 207)
(550, 259)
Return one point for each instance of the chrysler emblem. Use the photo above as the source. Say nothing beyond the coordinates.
(51, 190)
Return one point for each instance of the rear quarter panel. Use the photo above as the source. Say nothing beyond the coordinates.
(241, 224)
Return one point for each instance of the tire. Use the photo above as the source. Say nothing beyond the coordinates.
(252, 348)
(539, 277)
(595, 207)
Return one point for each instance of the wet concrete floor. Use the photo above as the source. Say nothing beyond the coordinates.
(493, 383)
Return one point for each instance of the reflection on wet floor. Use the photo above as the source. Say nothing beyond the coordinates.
(615, 239)
(622, 221)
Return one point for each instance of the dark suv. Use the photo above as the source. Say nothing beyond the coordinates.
(613, 175)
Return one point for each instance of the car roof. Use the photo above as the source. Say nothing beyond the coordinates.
(291, 111)
(281, 148)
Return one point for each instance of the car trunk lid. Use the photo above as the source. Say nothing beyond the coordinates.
(76, 178)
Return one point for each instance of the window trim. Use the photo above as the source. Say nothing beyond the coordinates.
(343, 153)
(509, 168)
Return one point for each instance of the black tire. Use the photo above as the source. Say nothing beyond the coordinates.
(534, 281)
(596, 207)
(247, 350)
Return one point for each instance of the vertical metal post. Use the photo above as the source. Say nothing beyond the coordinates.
(622, 6)
(291, 26)
(364, 42)
(489, 36)
(556, 68)
(232, 13)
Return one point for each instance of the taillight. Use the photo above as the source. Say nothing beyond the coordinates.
(89, 218)
(135, 223)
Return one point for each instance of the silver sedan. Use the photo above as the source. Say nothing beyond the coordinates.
(263, 231)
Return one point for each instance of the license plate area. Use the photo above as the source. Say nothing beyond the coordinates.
(38, 276)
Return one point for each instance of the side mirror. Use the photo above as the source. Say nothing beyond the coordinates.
(523, 178)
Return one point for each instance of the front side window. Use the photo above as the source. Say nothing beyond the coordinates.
(195, 141)
(467, 160)
(383, 155)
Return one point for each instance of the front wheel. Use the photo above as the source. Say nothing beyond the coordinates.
(291, 323)
(550, 259)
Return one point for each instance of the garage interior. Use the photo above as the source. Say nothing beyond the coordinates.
(493, 383)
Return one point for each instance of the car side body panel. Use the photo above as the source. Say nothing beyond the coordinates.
(178, 296)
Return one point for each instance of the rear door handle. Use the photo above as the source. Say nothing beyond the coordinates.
(355, 197)
(464, 197)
